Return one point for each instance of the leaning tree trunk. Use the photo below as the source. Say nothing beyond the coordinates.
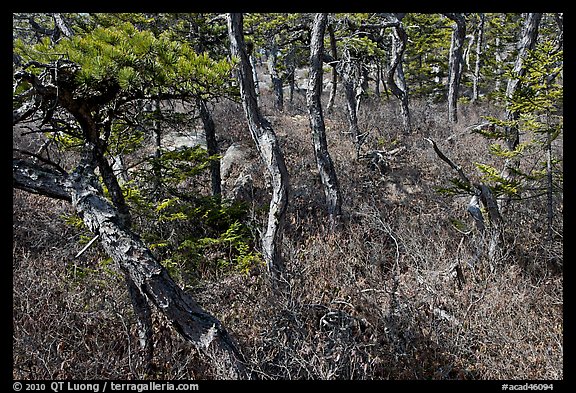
(267, 145)
(82, 112)
(526, 43)
(455, 64)
(481, 195)
(313, 98)
(143, 272)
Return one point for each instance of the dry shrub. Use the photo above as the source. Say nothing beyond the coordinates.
(396, 293)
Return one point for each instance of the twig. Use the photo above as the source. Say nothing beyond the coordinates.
(87, 245)
(457, 168)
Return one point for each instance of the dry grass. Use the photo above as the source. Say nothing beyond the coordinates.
(379, 299)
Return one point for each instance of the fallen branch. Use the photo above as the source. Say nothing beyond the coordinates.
(457, 168)
(87, 246)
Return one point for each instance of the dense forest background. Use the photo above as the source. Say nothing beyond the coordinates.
(288, 196)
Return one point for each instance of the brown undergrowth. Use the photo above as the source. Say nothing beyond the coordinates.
(396, 292)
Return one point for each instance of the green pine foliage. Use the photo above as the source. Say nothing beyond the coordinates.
(216, 239)
(193, 234)
(538, 103)
(120, 52)
(138, 61)
(426, 57)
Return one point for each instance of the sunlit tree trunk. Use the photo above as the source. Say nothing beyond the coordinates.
(477, 63)
(267, 145)
(455, 64)
(313, 97)
(147, 279)
(395, 74)
(334, 55)
(526, 43)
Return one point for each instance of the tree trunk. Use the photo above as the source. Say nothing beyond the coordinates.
(61, 25)
(499, 62)
(291, 74)
(267, 145)
(526, 43)
(382, 78)
(377, 80)
(455, 64)
(276, 80)
(143, 314)
(143, 272)
(361, 85)
(211, 145)
(334, 54)
(313, 98)
(348, 72)
(255, 76)
(395, 71)
(477, 63)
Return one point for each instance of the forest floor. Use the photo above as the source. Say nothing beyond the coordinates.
(398, 292)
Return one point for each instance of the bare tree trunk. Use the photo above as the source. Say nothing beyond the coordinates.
(395, 71)
(499, 62)
(291, 74)
(276, 80)
(211, 146)
(156, 168)
(313, 97)
(526, 43)
(348, 72)
(143, 314)
(382, 78)
(334, 54)
(61, 25)
(143, 272)
(377, 80)
(455, 64)
(361, 85)
(267, 145)
(255, 76)
(477, 63)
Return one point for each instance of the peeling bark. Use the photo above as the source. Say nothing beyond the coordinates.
(267, 145)
(526, 43)
(395, 72)
(144, 274)
(455, 64)
(323, 159)
(334, 54)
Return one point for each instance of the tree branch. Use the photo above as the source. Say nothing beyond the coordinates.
(457, 168)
